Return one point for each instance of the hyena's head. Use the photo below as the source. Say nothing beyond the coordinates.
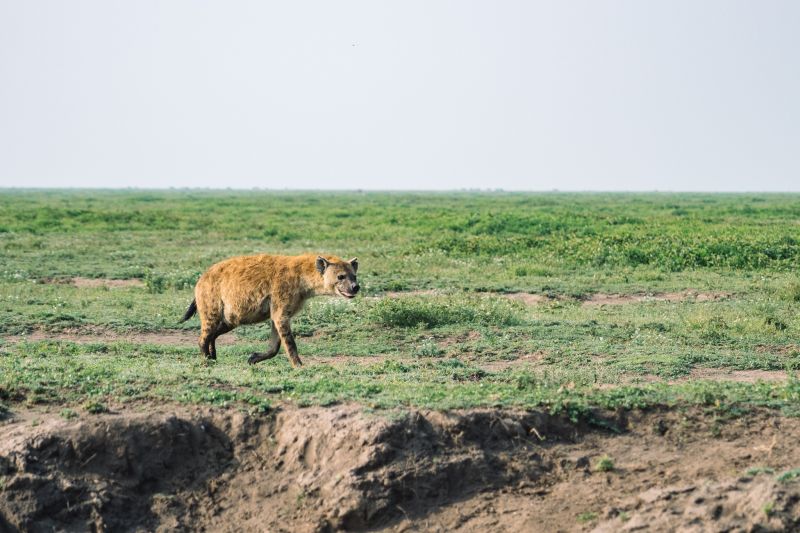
(339, 277)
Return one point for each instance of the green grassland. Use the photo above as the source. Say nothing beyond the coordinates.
(459, 343)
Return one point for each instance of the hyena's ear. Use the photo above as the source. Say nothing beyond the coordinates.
(322, 264)
(354, 263)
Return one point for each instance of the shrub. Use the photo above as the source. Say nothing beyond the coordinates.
(604, 464)
(791, 292)
(428, 349)
(95, 407)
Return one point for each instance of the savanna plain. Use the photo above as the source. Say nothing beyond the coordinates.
(514, 362)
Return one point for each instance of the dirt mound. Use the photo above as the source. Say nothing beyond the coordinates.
(102, 474)
(295, 470)
(321, 469)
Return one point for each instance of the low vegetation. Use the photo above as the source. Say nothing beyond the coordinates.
(435, 327)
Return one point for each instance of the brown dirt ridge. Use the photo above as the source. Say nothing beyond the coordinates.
(344, 468)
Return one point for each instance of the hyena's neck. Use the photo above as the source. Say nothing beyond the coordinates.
(310, 279)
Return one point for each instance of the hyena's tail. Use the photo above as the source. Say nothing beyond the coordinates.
(190, 312)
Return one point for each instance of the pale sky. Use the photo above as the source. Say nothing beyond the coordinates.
(593, 95)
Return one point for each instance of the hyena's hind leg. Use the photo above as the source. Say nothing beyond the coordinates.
(272, 348)
(205, 343)
(209, 332)
(221, 330)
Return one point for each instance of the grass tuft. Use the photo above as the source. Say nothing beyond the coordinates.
(604, 464)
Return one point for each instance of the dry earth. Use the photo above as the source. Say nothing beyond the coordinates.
(165, 468)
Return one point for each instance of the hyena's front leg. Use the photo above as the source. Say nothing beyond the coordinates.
(272, 348)
(287, 337)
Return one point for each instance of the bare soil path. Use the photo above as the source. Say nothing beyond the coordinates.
(189, 338)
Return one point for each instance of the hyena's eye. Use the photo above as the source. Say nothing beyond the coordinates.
(341, 277)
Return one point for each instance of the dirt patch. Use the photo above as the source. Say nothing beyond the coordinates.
(529, 298)
(98, 335)
(319, 469)
(110, 283)
(618, 299)
(81, 282)
(782, 349)
(706, 374)
(497, 366)
(457, 340)
(623, 299)
(761, 504)
(180, 338)
(418, 292)
(345, 360)
(741, 376)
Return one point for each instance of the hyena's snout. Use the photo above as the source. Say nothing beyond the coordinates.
(348, 289)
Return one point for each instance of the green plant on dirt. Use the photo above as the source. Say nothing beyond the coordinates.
(300, 499)
(68, 413)
(428, 349)
(789, 475)
(754, 471)
(791, 292)
(95, 407)
(604, 464)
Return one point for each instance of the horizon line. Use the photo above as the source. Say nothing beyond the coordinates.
(487, 190)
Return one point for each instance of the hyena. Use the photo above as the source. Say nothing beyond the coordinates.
(252, 289)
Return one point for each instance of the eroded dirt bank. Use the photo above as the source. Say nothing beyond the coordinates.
(328, 468)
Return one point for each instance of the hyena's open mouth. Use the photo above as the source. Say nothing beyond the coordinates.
(348, 295)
